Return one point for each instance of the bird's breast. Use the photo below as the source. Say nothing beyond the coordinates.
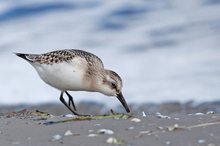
(63, 76)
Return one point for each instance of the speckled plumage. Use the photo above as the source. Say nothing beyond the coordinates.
(63, 55)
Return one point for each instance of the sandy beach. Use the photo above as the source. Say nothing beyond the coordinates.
(165, 52)
(36, 128)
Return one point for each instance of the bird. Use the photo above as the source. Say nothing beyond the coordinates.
(76, 70)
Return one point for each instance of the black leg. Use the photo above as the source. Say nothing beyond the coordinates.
(70, 100)
(64, 102)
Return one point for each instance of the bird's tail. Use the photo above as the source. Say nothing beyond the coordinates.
(25, 56)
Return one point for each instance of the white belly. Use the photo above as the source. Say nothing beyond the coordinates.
(63, 76)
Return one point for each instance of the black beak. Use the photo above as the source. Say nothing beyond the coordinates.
(123, 102)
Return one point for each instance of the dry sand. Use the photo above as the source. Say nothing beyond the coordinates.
(31, 128)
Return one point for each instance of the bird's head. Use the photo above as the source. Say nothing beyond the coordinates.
(112, 86)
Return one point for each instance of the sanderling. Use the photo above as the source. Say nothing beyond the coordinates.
(76, 70)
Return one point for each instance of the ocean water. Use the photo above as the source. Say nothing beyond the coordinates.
(164, 50)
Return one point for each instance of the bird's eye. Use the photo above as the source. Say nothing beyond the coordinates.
(113, 85)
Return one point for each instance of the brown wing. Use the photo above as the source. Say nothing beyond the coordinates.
(64, 55)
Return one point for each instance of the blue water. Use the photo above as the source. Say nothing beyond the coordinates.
(19, 12)
(164, 50)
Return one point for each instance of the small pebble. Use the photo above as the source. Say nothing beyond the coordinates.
(111, 140)
(210, 112)
(174, 127)
(158, 115)
(69, 116)
(56, 137)
(198, 114)
(200, 141)
(143, 114)
(162, 116)
(145, 132)
(130, 128)
(176, 119)
(136, 120)
(92, 135)
(68, 133)
(159, 127)
(105, 131)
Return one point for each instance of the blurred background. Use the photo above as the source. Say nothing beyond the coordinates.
(165, 50)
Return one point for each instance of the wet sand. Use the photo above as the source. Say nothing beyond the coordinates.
(35, 128)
